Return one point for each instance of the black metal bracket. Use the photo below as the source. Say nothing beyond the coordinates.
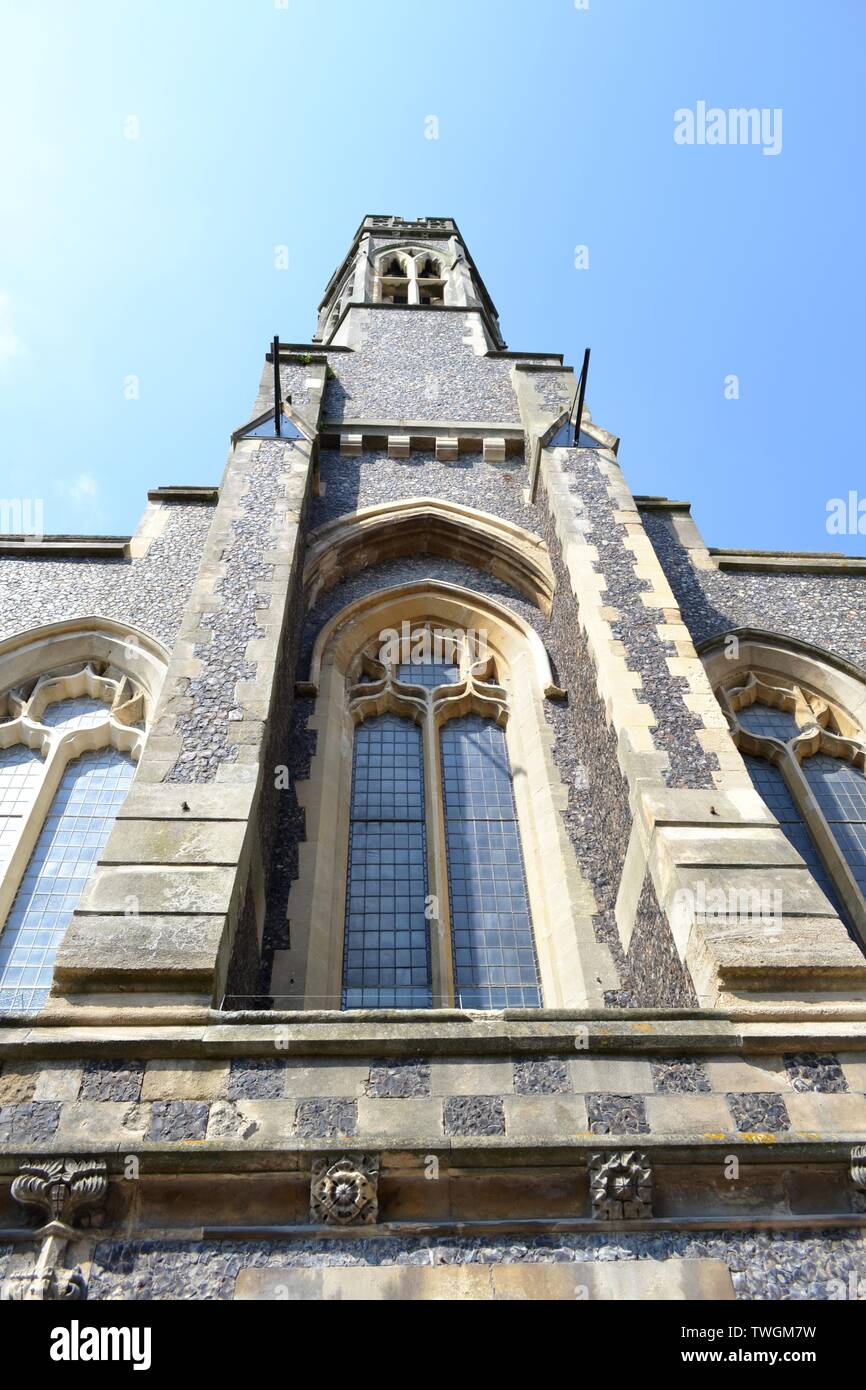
(577, 414)
(278, 404)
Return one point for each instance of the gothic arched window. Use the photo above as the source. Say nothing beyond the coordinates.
(806, 757)
(440, 690)
(394, 279)
(410, 277)
(436, 867)
(68, 745)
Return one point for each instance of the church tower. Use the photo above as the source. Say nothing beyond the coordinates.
(482, 853)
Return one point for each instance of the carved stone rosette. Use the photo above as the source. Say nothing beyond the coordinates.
(344, 1191)
(620, 1186)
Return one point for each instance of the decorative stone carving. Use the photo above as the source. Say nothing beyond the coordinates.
(46, 1284)
(65, 1190)
(344, 1191)
(620, 1185)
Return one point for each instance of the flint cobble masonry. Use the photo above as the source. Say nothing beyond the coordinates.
(203, 731)
(828, 610)
(788, 1265)
(150, 593)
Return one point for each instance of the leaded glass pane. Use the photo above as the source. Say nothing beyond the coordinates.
(771, 785)
(768, 722)
(82, 712)
(840, 790)
(386, 960)
(428, 673)
(20, 774)
(387, 773)
(74, 834)
(494, 951)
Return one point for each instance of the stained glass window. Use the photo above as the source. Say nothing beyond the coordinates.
(81, 712)
(428, 673)
(840, 790)
(386, 960)
(769, 722)
(494, 953)
(73, 836)
(771, 785)
(20, 774)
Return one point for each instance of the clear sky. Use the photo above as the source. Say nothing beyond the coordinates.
(263, 124)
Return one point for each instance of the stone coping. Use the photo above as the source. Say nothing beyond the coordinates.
(541, 366)
(513, 355)
(733, 558)
(660, 504)
(772, 562)
(335, 1034)
(96, 547)
(316, 351)
(179, 492)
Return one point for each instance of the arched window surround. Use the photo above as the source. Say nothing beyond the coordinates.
(96, 659)
(560, 900)
(825, 698)
(435, 526)
(415, 282)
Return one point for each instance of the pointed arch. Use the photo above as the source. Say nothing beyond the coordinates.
(75, 701)
(515, 645)
(429, 526)
(797, 714)
(741, 649)
(503, 689)
(79, 641)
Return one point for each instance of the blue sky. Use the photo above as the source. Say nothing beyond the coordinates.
(263, 124)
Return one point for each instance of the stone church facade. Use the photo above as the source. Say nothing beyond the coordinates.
(428, 869)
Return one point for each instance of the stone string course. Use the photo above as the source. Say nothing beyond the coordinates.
(150, 593)
(828, 610)
(788, 1265)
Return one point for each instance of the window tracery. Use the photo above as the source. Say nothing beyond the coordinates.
(68, 745)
